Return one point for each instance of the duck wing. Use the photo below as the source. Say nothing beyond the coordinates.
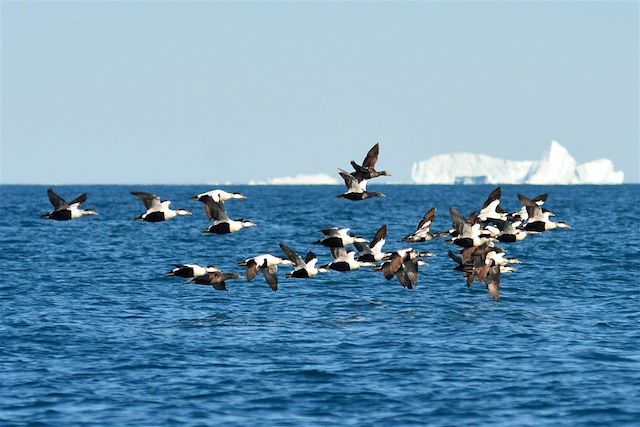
(493, 283)
(379, 239)
(339, 253)
(79, 200)
(57, 201)
(391, 267)
(408, 274)
(371, 158)
(292, 255)
(214, 210)
(427, 219)
(150, 200)
(459, 221)
(353, 186)
(271, 276)
(493, 196)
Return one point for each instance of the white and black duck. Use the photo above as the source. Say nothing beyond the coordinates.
(63, 211)
(222, 224)
(157, 210)
(338, 237)
(356, 188)
(344, 260)
(302, 268)
(373, 252)
(191, 270)
(538, 218)
(219, 195)
(423, 230)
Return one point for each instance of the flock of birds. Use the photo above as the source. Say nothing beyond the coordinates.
(479, 258)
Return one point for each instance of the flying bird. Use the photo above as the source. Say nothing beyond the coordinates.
(302, 268)
(191, 270)
(63, 211)
(216, 279)
(157, 210)
(222, 224)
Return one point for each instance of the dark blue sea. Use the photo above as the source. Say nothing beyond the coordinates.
(93, 333)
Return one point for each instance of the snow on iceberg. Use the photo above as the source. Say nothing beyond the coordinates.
(556, 167)
(300, 179)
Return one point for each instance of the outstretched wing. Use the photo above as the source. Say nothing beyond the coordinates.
(379, 239)
(292, 255)
(271, 276)
(391, 267)
(353, 186)
(371, 158)
(359, 169)
(362, 247)
(339, 253)
(458, 220)
(427, 219)
(214, 210)
(330, 232)
(79, 200)
(57, 201)
(493, 283)
(310, 256)
(527, 202)
(455, 257)
(252, 270)
(408, 274)
(151, 201)
(493, 196)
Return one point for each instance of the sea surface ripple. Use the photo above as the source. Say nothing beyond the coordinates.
(92, 333)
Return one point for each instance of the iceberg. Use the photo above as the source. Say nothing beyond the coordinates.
(300, 179)
(556, 167)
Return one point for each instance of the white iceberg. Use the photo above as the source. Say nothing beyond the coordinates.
(300, 179)
(556, 167)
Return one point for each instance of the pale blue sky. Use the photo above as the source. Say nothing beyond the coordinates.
(174, 92)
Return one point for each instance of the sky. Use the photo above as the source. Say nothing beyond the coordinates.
(198, 92)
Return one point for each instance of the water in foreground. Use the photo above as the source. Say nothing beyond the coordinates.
(92, 332)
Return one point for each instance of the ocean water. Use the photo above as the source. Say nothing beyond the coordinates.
(92, 333)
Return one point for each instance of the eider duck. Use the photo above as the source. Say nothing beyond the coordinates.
(374, 252)
(217, 279)
(538, 217)
(467, 230)
(270, 273)
(506, 231)
(403, 264)
(522, 214)
(356, 188)
(338, 238)
(491, 208)
(345, 261)
(63, 211)
(157, 211)
(191, 270)
(257, 262)
(423, 233)
(219, 196)
(468, 267)
(481, 260)
(368, 168)
(222, 224)
(302, 268)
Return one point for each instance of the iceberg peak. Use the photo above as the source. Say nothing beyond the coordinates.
(557, 166)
